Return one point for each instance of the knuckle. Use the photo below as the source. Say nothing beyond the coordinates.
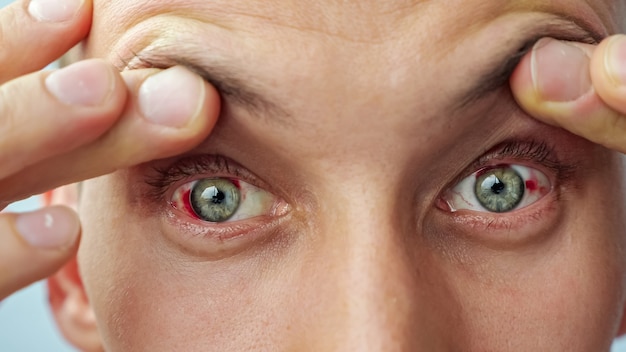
(7, 114)
(10, 129)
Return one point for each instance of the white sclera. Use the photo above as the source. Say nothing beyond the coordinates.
(463, 197)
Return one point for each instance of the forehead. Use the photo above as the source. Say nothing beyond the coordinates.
(363, 66)
(338, 39)
(368, 21)
(393, 36)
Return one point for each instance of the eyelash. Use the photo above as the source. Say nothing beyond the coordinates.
(535, 152)
(532, 152)
(191, 167)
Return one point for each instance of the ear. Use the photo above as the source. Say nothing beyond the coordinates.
(68, 301)
(622, 327)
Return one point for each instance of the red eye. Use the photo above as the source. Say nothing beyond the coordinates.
(498, 189)
(223, 199)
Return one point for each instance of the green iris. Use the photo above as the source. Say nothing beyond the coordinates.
(499, 190)
(214, 199)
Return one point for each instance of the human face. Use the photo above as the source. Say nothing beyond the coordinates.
(359, 118)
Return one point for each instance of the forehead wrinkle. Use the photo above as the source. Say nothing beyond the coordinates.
(368, 21)
(360, 21)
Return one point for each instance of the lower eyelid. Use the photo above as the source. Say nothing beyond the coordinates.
(222, 240)
(504, 229)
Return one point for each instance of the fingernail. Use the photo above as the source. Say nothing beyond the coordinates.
(54, 10)
(53, 227)
(560, 71)
(615, 61)
(85, 83)
(171, 97)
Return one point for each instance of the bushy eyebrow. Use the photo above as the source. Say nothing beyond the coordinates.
(232, 86)
(496, 73)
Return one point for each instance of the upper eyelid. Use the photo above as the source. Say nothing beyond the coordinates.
(193, 167)
(515, 151)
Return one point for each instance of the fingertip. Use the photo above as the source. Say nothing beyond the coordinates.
(55, 227)
(89, 93)
(553, 84)
(172, 98)
(36, 32)
(525, 92)
(35, 245)
(55, 12)
(608, 72)
(198, 126)
(176, 105)
(566, 84)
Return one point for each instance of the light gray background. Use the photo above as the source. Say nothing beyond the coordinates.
(25, 321)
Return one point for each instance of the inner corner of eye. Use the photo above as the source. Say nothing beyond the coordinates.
(497, 189)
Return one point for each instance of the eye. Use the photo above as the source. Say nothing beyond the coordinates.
(498, 189)
(223, 199)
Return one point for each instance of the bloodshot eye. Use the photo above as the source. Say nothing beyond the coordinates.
(223, 199)
(498, 189)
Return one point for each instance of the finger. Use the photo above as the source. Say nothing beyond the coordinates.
(168, 113)
(553, 84)
(35, 245)
(608, 72)
(36, 32)
(74, 106)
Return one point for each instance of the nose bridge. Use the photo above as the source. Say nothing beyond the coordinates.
(374, 275)
(380, 290)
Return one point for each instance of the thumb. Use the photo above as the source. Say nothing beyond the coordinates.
(35, 245)
(554, 83)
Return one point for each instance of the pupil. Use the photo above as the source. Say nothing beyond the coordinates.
(214, 195)
(219, 197)
(498, 186)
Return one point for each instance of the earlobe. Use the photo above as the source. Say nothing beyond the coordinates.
(68, 300)
(71, 309)
(622, 328)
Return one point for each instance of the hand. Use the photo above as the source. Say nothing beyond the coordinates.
(579, 87)
(79, 122)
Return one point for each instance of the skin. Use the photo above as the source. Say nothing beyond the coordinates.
(344, 266)
(367, 94)
(67, 141)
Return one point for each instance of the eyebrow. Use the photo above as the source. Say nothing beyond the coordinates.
(497, 72)
(232, 86)
(241, 90)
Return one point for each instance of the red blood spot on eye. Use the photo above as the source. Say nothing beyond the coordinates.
(531, 185)
(187, 203)
(236, 183)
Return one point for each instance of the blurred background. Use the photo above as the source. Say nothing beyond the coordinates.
(26, 324)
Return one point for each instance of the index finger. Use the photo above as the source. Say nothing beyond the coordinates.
(36, 32)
